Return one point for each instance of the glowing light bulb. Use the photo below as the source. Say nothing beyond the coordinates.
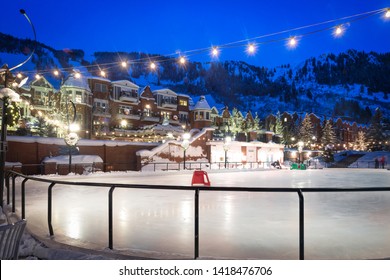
(37, 76)
(56, 73)
(182, 60)
(19, 75)
(338, 31)
(153, 66)
(124, 64)
(387, 15)
(251, 49)
(215, 52)
(77, 75)
(102, 73)
(292, 43)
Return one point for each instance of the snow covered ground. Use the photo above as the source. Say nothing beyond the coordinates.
(158, 223)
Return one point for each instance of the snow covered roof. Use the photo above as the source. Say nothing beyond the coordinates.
(202, 104)
(125, 83)
(81, 83)
(165, 91)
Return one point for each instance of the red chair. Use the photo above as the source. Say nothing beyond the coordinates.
(200, 177)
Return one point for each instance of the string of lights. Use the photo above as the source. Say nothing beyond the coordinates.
(337, 26)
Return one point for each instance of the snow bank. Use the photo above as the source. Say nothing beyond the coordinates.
(76, 159)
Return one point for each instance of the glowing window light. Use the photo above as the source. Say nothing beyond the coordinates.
(153, 66)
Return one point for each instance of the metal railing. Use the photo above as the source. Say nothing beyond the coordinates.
(167, 166)
(196, 189)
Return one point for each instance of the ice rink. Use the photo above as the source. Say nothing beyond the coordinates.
(233, 225)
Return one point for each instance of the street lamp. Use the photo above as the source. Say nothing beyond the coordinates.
(7, 94)
(185, 144)
(300, 147)
(226, 144)
(71, 138)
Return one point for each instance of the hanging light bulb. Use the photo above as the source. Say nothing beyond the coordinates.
(338, 31)
(387, 14)
(292, 42)
(182, 60)
(251, 49)
(56, 73)
(102, 73)
(37, 76)
(19, 75)
(124, 64)
(215, 52)
(77, 75)
(153, 66)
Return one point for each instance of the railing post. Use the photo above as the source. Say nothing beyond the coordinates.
(13, 193)
(110, 218)
(196, 243)
(301, 225)
(24, 198)
(7, 187)
(49, 207)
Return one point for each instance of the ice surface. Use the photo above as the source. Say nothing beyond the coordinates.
(243, 225)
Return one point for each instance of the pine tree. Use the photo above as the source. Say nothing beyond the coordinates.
(328, 135)
(306, 130)
(279, 128)
(235, 122)
(360, 142)
(375, 135)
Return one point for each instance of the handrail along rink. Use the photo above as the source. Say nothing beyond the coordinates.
(196, 189)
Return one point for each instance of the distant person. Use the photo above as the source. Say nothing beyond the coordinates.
(376, 163)
(382, 162)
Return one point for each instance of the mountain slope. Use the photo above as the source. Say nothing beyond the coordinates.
(350, 84)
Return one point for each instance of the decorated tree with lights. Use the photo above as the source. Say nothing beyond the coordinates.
(235, 122)
(328, 138)
(360, 143)
(279, 128)
(306, 130)
(375, 133)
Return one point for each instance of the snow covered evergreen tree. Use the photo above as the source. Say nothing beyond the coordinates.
(306, 130)
(279, 128)
(328, 136)
(360, 142)
(375, 133)
(235, 122)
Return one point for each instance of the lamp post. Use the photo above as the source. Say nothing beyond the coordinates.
(7, 94)
(226, 144)
(71, 138)
(300, 147)
(185, 144)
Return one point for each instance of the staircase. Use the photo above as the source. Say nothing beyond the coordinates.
(347, 161)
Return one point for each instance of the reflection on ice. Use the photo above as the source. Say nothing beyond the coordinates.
(232, 225)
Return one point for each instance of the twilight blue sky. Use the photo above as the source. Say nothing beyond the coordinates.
(165, 27)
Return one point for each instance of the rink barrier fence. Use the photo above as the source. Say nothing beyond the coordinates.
(197, 189)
